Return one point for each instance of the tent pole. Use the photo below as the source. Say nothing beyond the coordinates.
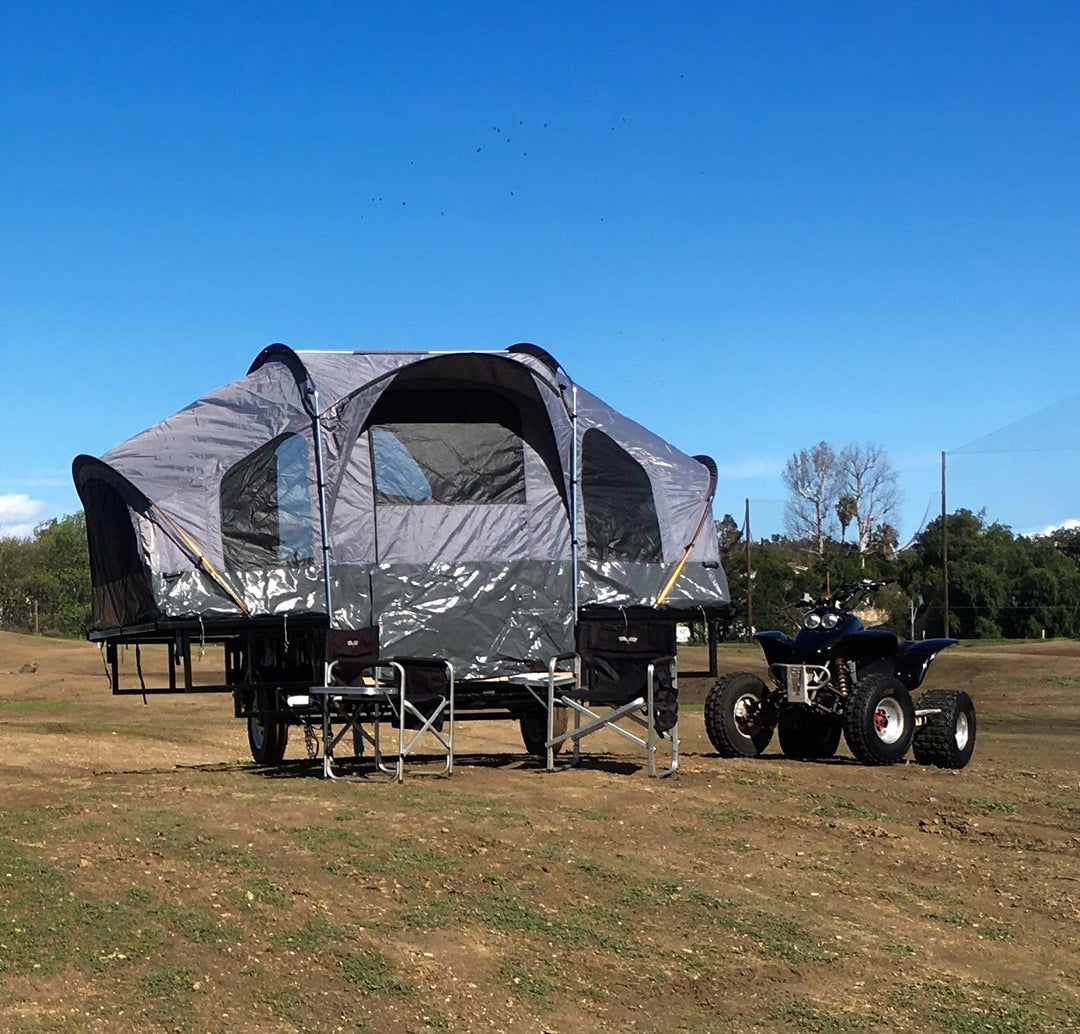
(320, 482)
(573, 501)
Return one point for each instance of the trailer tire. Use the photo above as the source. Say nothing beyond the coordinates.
(947, 740)
(879, 720)
(267, 737)
(808, 736)
(533, 724)
(733, 711)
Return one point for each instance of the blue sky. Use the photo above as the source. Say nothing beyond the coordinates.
(750, 227)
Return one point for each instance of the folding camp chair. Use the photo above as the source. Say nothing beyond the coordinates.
(415, 695)
(624, 680)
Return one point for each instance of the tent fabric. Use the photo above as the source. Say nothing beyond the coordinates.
(452, 488)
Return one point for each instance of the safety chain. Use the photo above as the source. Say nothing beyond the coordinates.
(311, 740)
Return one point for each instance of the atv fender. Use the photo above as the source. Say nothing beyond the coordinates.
(913, 660)
(778, 647)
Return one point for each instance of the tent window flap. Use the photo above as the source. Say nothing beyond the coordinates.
(266, 507)
(620, 514)
(459, 447)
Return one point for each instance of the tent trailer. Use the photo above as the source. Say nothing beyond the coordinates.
(473, 510)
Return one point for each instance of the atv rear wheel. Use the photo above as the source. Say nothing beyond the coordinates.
(947, 740)
(879, 720)
(733, 716)
(808, 736)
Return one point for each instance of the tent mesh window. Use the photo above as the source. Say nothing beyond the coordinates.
(266, 507)
(620, 514)
(120, 584)
(448, 447)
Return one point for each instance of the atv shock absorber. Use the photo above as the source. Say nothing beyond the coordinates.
(842, 673)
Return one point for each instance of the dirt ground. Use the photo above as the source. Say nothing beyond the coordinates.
(152, 878)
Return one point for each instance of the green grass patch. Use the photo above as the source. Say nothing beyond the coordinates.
(485, 811)
(724, 815)
(257, 890)
(831, 805)
(345, 852)
(584, 813)
(525, 983)
(801, 1015)
(166, 992)
(313, 936)
(46, 925)
(592, 926)
(35, 706)
(988, 804)
(771, 936)
(195, 923)
(975, 1009)
(28, 823)
(372, 973)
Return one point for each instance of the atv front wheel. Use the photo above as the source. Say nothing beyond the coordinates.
(879, 720)
(808, 736)
(733, 716)
(947, 740)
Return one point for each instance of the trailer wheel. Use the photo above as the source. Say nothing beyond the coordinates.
(533, 723)
(733, 716)
(947, 740)
(808, 736)
(879, 720)
(267, 737)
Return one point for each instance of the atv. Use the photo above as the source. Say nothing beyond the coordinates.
(837, 677)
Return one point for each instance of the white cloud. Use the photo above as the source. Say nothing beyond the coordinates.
(1068, 525)
(19, 515)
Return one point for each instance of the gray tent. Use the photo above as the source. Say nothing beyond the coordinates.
(467, 505)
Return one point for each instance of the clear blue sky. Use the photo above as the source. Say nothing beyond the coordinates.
(748, 226)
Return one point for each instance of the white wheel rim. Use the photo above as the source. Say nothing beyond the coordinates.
(889, 720)
(962, 731)
(745, 714)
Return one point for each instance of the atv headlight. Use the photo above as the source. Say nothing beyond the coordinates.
(830, 620)
(812, 620)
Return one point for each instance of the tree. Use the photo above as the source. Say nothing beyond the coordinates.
(868, 481)
(885, 542)
(1067, 540)
(812, 476)
(846, 511)
(999, 584)
(45, 581)
(728, 535)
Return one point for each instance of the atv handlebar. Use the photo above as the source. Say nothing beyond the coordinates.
(843, 595)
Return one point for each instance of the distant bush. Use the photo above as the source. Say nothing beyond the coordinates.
(45, 580)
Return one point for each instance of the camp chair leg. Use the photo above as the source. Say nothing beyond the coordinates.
(375, 703)
(672, 734)
(640, 710)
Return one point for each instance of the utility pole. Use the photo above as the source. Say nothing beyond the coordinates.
(944, 548)
(749, 574)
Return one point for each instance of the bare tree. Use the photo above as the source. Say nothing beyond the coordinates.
(813, 478)
(868, 478)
